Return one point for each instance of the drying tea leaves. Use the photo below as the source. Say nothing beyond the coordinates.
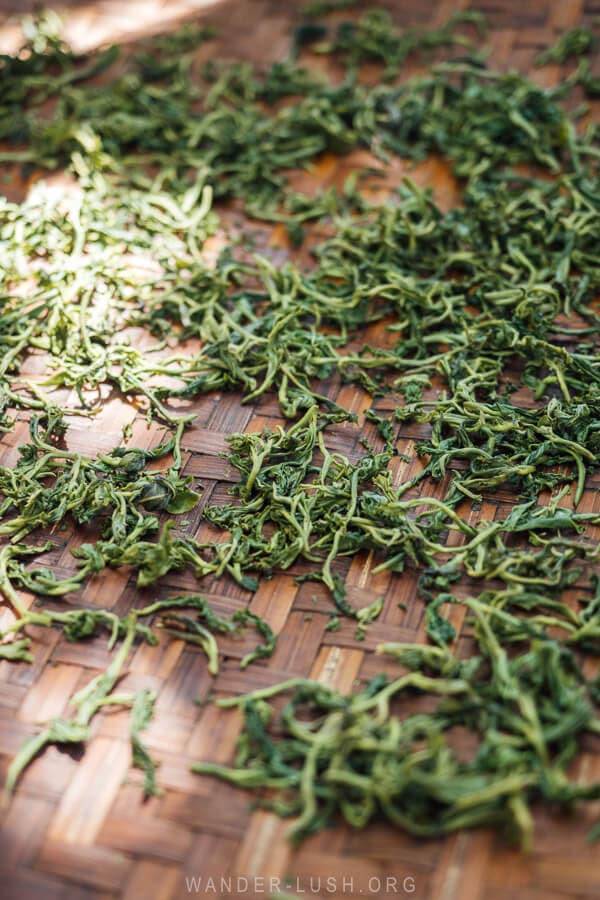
(142, 712)
(194, 632)
(490, 356)
(49, 483)
(82, 624)
(326, 755)
(85, 703)
(575, 42)
(374, 38)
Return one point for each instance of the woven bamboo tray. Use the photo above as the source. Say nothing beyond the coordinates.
(77, 828)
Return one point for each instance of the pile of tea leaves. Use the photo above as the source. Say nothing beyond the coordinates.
(490, 322)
